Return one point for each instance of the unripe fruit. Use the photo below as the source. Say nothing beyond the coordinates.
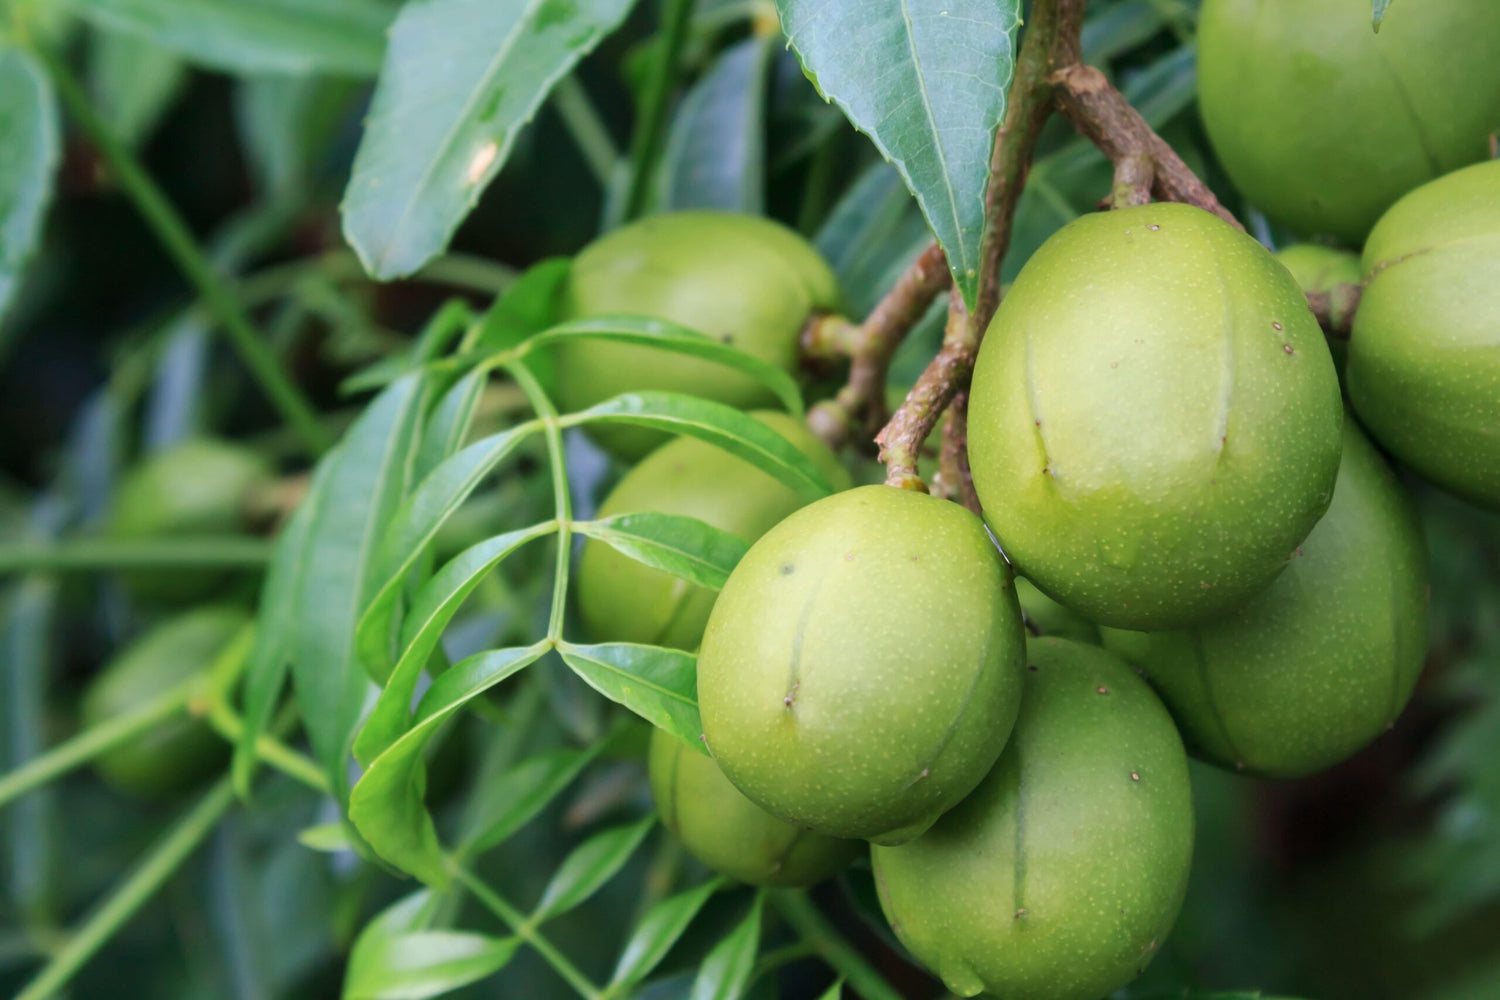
(862, 668)
(1320, 663)
(1323, 123)
(1424, 357)
(622, 600)
(1044, 616)
(728, 832)
(195, 488)
(742, 280)
(1321, 269)
(1061, 875)
(178, 751)
(1154, 418)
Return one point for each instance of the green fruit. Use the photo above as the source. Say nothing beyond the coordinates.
(178, 751)
(1320, 663)
(195, 488)
(862, 668)
(622, 600)
(1060, 877)
(1154, 419)
(1424, 357)
(728, 832)
(1320, 269)
(742, 280)
(1046, 617)
(1323, 123)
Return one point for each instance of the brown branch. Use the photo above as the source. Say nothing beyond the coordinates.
(1335, 308)
(1134, 176)
(954, 480)
(901, 440)
(1103, 115)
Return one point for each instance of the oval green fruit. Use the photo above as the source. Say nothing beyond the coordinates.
(622, 600)
(728, 832)
(739, 279)
(1424, 356)
(1323, 123)
(862, 667)
(1044, 616)
(178, 751)
(1154, 418)
(1319, 664)
(1061, 875)
(199, 487)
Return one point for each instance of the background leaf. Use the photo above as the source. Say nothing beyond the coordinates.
(683, 546)
(426, 964)
(726, 971)
(28, 161)
(519, 794)
(592, 863)
(132, 82)
(1377, 13)
(658, 931)
(659, 685)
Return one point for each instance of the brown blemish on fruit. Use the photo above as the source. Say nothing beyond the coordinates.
(1276, 325)
(1135, 776)
(1102, 689)
(1288, 348)
(787, 569)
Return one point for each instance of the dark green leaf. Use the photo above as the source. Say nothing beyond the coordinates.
(726, 971)
(426, 964)
(723, 426)
(285, 124)
(834, 992)
(659, 685)
(683, 546)
(132, 83)
(28, 161)
(592, 863)
(527, 307)
(872, 235)
(658, 931)
(927, 80)
(519, 794)
(460, 80)
(716, 153)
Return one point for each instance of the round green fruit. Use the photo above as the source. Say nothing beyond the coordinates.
(1320, 663)
(1323, 123)
(739, 279)
(622, 600)
(862, 667)
(1424, 357)
(728, 832)
(1154, 418)
(1044, 616)
(1061, 875)
(199, 487)
(178, 751)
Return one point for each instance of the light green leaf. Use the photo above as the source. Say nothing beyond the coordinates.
(1377, 14)
(589, 866)
(29, 156)
(683, 546)
(660, 685)
(872, 235)
(726, 971)
(449, 423)
(132, 83)
(519, 794)
(396, 956)
(927, 81)
(327, 837)
(716, 152)
(835, 992)
(460, 80)
(658, 931)
(286, 123)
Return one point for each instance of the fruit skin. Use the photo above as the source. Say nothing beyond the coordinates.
(181, 750)
(1323, 124)
(1154, 419)
(1320, 663)
(622, 600)
(1319, 269)
(198, 487)
(861, 669)
(728, 832)
(1061, 875)
(1424, 356)
(1046, 617)
(739, 279)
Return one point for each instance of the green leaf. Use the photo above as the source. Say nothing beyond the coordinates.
(328, 837)
(834, 992)
(716, 152)
(426, 964)
(432, 609)
(29, 156)
(927, 81)
(343, 37)
(449, 423)
(683, 546)
(386, 805)
(659, 685)
(872, 235)
(726, 971)
(527, 307)
(519, 794)
(1377, 13)
(658, 931)
(285, 125)
(589, 866)
(132, 83)
(722, 426)
(415, 525)
(460, 80)
(663, 335)
(445, 326)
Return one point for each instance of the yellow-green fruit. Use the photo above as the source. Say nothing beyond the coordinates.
(1323, 123)
(622, 600)
(1320, 663)
(739, 279)
(195, 488)
(179, 750)
(728, 832)
(862, 668)
(1319, 269)
(1060, 877)
(1044, 616)
(1154, 419)
(1424, 357)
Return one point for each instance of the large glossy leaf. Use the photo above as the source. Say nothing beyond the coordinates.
(927, 81)
(132, 82)
(589, 866)
(726, 971)
(716, 152)
(658, 931)
(514, 799)
(723, 426)
(460, 80)
(386, 805)
(29, 155)
(683, 546)
(343, 37)
(426, 964)
(660, 685)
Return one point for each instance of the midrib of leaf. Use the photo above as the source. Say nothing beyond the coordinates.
(937, 140)
(578, 651)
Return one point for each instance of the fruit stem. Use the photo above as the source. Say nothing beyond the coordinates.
(1335, 308)
(522, 927)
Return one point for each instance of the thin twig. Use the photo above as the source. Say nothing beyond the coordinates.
(1335, 308)
(1134, 176)
(812, 927)
(902, 438)
(953, 466)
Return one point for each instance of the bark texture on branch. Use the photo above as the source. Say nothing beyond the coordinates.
(901, 440)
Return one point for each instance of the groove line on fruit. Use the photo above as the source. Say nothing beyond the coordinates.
(1018, 880)
(1424, 142)
(794, 670)
(963, 707)
(1035, 407)
(1228, 367)
(1200, 660)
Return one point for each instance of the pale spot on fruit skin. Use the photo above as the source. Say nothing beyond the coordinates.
(1102, 689)
(1277, 325)
(1289, 348)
